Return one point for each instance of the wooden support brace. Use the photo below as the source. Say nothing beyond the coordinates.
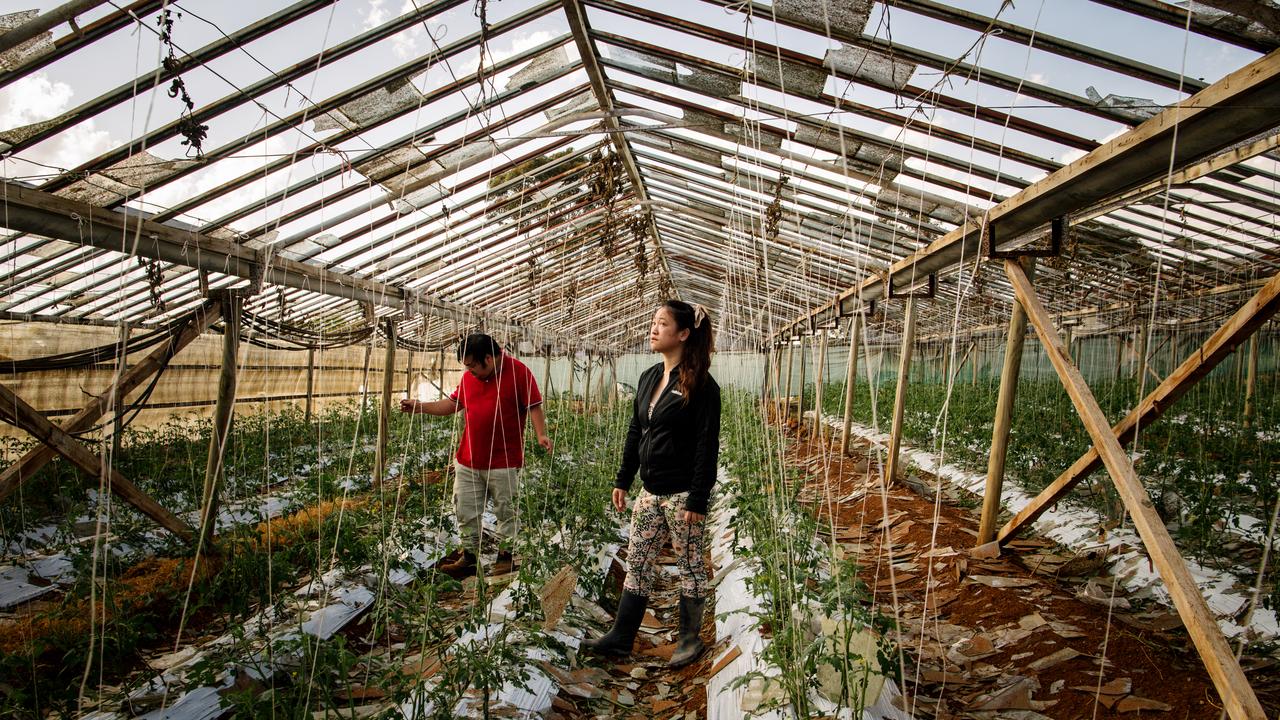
(30, 463)
(1237, 696)
(23, 415)
(1251, 316)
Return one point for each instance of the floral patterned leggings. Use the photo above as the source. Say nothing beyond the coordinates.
(652, 518)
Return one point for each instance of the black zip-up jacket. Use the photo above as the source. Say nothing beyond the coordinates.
(677, 450)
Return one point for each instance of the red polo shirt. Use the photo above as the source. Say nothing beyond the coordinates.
(493, 432)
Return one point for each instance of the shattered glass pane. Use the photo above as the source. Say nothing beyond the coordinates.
(143, 169)
(752, 136)
(1223, 20)
(389, 99)
(540, 69)
(400, 160)
(703, 122)
(35, 47)
(710, 83)
(96, 189)
(795, 79)
(1133, 107)
(652, 66)
(847, 16)
(869, 65)
(332, 120)
(581, 103)
(21, 134)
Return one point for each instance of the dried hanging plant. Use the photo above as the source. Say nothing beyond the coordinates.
(189, 128)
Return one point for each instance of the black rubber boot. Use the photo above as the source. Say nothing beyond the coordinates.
(691, 645)
(618, 640)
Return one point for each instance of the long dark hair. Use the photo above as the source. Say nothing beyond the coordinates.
(695, 359)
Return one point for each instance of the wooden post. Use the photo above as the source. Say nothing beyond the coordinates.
(89, 462)
(1222, 343)
(1251, 381)
(820, 373)
(786, 398)
(851, 379)
(1119, 355)
(1140, 357)
(35, 458)
(1066, 340)
(384, 408)
(408, 375)
(311, 382)
(948, 357)
(573, 369)
(586, 387)
(546, 374)
(1004, 418)
(220, 432)
(1237, 696)
(370, 318)
(764, 380)
(800, 394)
(440, 369)
(974, 360)
(900, 397)
(613, 375)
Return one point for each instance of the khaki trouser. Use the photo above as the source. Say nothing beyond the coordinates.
(471, 488)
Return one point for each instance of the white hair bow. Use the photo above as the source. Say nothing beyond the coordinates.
(699, 314)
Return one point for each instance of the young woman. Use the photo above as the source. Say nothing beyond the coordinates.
(674, 441)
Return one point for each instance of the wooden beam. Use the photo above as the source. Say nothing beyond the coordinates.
(30, 463)
(384, 406)
(1243, 324)
(900, 396)
(850, 379)
(1004, 418)
(22, 415)
(1233, 110)
(43, 23)
(1237, 696)
(41, 213)
(222, 413)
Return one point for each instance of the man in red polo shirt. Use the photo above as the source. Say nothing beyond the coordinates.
(498, 393)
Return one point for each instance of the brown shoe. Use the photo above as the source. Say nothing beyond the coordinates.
(462, 566)
(504, 564)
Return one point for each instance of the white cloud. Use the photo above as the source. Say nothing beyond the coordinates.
(35, 98)
(375, 15)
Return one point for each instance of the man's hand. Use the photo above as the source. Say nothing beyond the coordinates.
(545, 442)
(619, 499)
(690, 516)
(409, 405)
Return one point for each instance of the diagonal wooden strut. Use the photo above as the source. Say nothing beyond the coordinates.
(1252, 315)
(1237, 696)
(28, 465)
(21, 414)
